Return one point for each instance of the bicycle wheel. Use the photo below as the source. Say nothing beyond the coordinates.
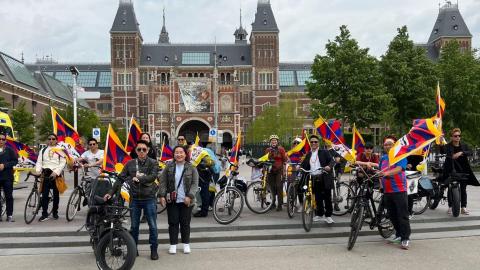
(420, 204)
(384, 224)
(343, 201)
(3, 203)
(73, 204)
(117, 251)
(356, 224)
(258, 199)
(291, 200)
(32, 205)
(228, 205)
(50, 202)
(455, 193)
(307, 213)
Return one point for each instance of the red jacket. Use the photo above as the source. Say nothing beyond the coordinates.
(279, 156)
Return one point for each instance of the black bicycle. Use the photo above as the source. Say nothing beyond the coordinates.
(228, 202)
(114, 246)
(34, 199)
(79, 194)
(3, 201)
(364, 208)
(293, 185)
(442, 183)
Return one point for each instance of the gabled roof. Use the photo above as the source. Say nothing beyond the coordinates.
(264, 18)
(125, 21)
(171, 54)
(449, 23)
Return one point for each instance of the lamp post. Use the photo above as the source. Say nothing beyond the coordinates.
(75, 73)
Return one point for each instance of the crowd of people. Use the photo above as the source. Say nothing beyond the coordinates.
(177, 184)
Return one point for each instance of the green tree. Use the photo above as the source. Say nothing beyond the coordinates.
(23, 123)
(409, 77)
(347, 83)
(460, 87)
(280, 120)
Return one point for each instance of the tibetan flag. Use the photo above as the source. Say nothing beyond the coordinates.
(438, 117)
(66, 133)
(420, 136)
(330, 131)
(358, 144)
(167, 153)
(133, 135)
(25, 154)
(236, 148)
(115, 157)
(297, 153)
(197, 140)
(264, 157)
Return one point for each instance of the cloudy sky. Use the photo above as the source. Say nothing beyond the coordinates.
(78, 31)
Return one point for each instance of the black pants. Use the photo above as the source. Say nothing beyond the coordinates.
(205, 194)
(179, 215)
(410, 205)
(47, 185)
(323, 197)
(276, 185)
(397, 207)
(463, 196)
(7, 186)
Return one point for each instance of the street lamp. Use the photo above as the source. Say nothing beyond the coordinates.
(75, 73)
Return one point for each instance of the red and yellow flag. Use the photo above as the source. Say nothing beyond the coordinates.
(133, 135)
(115, 156)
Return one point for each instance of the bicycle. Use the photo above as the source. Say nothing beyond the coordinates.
(259, 197)
(113, 245)
(342, 196)
(34, 199)
(79, 192)
(293, 183)
(3, 201)
(309, 203)
(226, 209)
(364, 207)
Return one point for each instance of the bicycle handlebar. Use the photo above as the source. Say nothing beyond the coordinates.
(321, 169)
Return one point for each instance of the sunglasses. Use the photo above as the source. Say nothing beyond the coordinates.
(52, 139)
(141, 149)
(314, 141)
(181, 139)
(369, 148)
(92, 144)
(457, 136)
(3, 139)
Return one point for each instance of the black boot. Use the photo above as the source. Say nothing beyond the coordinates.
(154, 255)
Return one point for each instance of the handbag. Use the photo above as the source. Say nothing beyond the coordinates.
(61, 185)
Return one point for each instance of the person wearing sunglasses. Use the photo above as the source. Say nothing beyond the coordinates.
(152, 153)
(8, 159)
(181, 140)
(322, 183)
(93, 158)
(394, 185)
(457, 153)
(140, 173)
(368, 159)
(51, 161)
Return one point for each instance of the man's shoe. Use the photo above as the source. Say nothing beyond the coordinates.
(317, 218)
(329, 220)
(395, 240)
(464, 211)
(173, 249)
(199, 214)
(336, 208)
(154, 255)
(186, 249)
(42, 219)
(10, 219)
(405, 244)
(55, 216)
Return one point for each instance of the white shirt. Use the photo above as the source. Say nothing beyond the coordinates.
(181, 189)
(91, 159)
(52, 158)
(314, 162)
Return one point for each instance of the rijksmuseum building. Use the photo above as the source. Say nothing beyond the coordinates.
(177, 89)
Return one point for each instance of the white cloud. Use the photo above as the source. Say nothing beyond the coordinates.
(78, 31)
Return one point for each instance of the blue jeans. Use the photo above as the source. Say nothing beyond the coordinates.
(150, 211)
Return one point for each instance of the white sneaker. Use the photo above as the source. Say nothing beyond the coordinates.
(317, 218)
(173, 249)
(329, 220)
(299, 209)
(186, 249)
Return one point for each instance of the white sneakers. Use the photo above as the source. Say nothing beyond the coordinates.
(329, 220)
(186, 249)
(317, 218)
(173, 249)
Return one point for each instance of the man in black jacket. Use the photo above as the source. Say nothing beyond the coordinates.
(140, 174)
(8, 159)
(457, 158)
(323, 183)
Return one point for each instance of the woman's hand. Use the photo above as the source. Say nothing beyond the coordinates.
(163, 202)
(187, 201)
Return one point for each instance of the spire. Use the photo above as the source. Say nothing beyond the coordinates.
(264, 18)
(240, 34)
(449, 23)
(125, 20)
(164, 34)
